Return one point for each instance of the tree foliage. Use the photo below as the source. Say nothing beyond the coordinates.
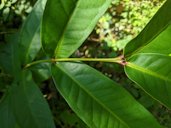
(43, 49)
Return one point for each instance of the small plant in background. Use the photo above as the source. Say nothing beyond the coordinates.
(42, 50)
(12, 14)
(124, 20)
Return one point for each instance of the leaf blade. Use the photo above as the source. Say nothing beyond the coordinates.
(10, 56)
(152, 73)
(6, 113)
(90, 95)
(35, 112)
(76, 19)
(30, 42)
(161, 44)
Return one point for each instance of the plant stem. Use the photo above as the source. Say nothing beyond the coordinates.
(111, 60)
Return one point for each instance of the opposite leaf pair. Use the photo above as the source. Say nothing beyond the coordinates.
(146, 56)
(97, 100)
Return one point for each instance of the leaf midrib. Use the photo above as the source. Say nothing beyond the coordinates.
(60, 41)
(149, 41)
(93, 97)
(36, 30)
(147, 71)
(30, 44)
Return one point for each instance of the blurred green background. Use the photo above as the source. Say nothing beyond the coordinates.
(122, 22)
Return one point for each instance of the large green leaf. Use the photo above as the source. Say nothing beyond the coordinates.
(156, 26)
(7, 119)
(9, 56)
(67, 23)
(30, 108)
(30, 34)
(161, 44)
(97, 100)
(152, 72)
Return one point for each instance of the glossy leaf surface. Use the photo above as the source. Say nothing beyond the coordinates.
(161, 44)
(97, 100)
(30, 34)
(30, 108)
(66, 24)
(152, 72)
(155, 27)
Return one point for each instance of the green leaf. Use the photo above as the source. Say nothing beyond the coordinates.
(152, 73)
(161, 44)
(7, 119)
(30, 107)
(155, 27)
(41, 72)
(30, 42)
(9, 55)
(97, 100)
(66, 24)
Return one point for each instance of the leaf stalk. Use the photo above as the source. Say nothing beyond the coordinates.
(109, 60)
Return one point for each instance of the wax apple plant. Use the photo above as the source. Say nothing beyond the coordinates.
(97, 100)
